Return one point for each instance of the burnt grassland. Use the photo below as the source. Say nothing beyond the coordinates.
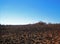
(39, 33)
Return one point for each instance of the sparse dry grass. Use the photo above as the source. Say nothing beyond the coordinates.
(30, 34)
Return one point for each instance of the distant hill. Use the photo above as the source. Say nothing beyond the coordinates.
(39, 25)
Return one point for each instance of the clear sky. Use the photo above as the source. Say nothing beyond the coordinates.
(29, 11)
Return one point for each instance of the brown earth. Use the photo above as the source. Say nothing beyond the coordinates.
(39, 33)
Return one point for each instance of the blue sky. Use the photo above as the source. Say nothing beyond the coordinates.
(29, 11)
